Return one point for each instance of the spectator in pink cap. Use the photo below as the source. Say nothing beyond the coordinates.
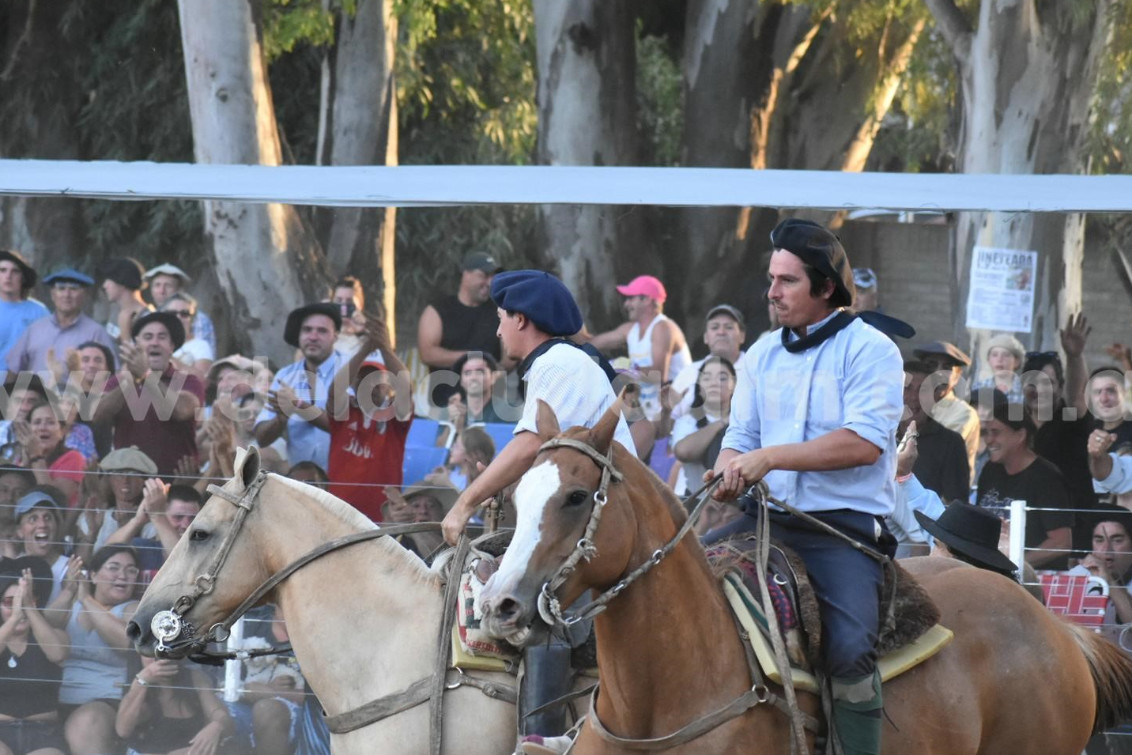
(656, 345)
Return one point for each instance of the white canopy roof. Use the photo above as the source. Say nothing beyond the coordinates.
(421, 186)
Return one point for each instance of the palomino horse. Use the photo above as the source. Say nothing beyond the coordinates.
(363, 620)
(1015, 679)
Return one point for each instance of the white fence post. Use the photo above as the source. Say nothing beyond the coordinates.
(232, 666)
(1018, 534)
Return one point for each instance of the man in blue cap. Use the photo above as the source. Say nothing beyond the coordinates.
(537, 314)
(815, 415)
(65, 328)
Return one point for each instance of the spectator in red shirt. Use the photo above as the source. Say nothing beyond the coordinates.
(368, 429)
(150, 404)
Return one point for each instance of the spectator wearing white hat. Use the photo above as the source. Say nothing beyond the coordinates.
(1004, 355)
(166, 280)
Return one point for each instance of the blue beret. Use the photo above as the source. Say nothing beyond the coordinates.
(540, 296)
(70, 275)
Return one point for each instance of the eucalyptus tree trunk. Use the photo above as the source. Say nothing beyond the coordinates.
(1027, 78)
(267, 261)
(47, 231)
(764, 90)
(363, 131)
(586, 105)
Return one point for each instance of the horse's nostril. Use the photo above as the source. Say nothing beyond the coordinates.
(507, 609)
(133, 631)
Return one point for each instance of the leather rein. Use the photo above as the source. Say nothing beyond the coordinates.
(174, 634)
(551, 611)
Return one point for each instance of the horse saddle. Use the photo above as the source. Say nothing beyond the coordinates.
(910, 629)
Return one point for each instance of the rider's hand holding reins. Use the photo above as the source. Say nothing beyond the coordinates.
(739, 471)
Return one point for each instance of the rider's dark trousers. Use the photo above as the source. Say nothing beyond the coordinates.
(847, 583)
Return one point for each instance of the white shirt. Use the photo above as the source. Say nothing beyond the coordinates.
(193, 351)
(639, 345)
(572, 384)
(693, 471)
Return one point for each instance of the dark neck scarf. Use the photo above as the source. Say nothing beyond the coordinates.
(545, 346)
(832, 327)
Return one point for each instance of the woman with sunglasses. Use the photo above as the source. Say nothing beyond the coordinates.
(195, 356)
(95, 672)
(30, 653)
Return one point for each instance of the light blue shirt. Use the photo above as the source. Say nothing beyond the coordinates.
(1119, 480)
(852, 380)
(15, 317)
(912, 496)
(305, 442)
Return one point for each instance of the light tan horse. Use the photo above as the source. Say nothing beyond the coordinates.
(1015, 679)
(363, 620)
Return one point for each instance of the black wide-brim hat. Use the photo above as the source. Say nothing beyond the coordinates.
(296, 317)
(970, 530)
(171, 322)
(30, 276)
(820, 248)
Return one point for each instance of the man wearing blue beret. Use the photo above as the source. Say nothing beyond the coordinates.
(537, 314)
(814, 416)
(65, 328)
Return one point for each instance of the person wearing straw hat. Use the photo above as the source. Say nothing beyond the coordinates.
(166, 280)
(17, 311)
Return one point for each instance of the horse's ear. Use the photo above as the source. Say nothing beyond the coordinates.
(602, 432)
(546, 422)
(247, 464)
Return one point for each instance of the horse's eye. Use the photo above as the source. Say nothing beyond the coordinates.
(577, 498)
(198, 535)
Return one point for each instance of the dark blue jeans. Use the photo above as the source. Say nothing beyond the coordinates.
(847, 583)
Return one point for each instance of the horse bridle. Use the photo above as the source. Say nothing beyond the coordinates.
(549, 607)
(169, 627)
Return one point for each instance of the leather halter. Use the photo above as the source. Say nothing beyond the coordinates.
(170, 629)
(549, 607)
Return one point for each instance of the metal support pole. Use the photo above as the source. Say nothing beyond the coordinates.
(1018, 534)
(232, 681)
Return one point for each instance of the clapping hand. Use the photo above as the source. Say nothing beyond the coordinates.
(26, 438)
(154, 501)
(133, 360)
(908, 451)
(377, 333)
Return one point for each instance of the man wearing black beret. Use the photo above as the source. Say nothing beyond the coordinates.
(537, 314)
(814, 415)
(151, 404)
(299, 391)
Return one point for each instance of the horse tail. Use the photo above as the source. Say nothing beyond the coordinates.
(1111, 669)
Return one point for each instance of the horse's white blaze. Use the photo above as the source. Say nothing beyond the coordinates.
(531, 496)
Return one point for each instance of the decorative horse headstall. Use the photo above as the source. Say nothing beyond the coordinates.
(549, 607)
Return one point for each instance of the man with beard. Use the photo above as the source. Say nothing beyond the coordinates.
(298, 393)
(150, 404)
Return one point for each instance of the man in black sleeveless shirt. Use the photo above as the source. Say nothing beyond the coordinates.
(451, 326)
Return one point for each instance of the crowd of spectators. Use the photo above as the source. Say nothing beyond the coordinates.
(110, 432)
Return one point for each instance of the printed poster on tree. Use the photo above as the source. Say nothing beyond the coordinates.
(1001, 295)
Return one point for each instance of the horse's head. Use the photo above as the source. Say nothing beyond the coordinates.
(210, 571)
(556, 500)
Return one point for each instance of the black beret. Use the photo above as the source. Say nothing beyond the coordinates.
(540, 296)
(28, 271)
(296, 317)
(820, 248)
(171, 322)
(125, 271)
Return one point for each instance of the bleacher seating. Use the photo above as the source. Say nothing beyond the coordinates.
(500, 432)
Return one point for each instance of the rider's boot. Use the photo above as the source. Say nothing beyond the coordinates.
(857, 709)
(546, 677)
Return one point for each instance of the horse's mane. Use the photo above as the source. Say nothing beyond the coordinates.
(403, 559)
